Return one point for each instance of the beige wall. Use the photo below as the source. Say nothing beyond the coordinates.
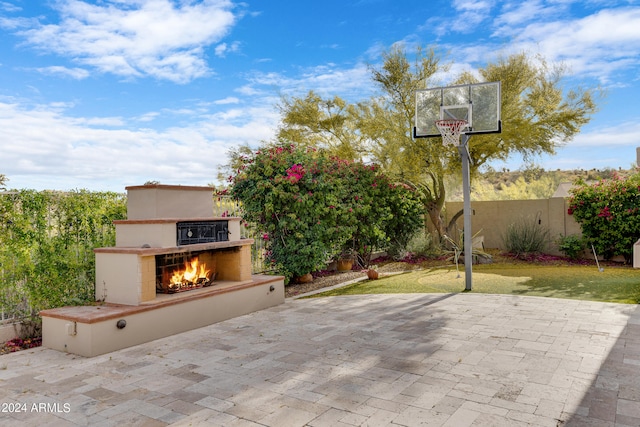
(491, 218)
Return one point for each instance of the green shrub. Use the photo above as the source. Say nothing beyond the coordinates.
(525, 236)
(311, 207)
(46, 246)
(422, 244)
(609, 214)
(572, 245)
(398, 214)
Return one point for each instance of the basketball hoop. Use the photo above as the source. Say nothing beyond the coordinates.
(451, 130)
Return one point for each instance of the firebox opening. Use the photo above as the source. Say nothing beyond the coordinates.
(179, 272)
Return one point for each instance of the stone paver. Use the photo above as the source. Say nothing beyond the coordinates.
(381, 360)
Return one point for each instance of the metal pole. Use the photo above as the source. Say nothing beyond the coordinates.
(466, 189)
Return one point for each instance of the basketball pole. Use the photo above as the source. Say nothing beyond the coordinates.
(463, 148)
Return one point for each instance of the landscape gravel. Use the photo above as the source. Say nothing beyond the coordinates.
(337, 278)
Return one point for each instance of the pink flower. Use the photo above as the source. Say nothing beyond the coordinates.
(295, 173)
(606, 213)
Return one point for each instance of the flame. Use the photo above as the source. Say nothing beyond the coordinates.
(193, 273)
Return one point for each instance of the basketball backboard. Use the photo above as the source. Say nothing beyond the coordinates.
(479, 104)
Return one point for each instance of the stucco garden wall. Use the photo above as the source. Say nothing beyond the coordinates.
(492, 218)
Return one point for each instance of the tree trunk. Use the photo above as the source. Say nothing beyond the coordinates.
(453, 221)
(435, 215)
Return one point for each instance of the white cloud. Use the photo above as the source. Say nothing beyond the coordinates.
(54, 151)
(518, 13)
(597, 45)
(224, 48)
(136, 38)
(327, 80)
(601, 45)
(228, 100)
(468, 15)
(148, 117)
(623, 134)
(74, 73)
(8, 7)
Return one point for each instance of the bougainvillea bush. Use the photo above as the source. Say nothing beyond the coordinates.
(311, 207)
(383, 214)
(609, 214)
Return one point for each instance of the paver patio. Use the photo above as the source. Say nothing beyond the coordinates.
(376, 360)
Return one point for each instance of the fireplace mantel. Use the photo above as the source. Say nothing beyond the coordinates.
(146, 251)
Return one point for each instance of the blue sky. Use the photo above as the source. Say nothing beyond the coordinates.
(104, 94)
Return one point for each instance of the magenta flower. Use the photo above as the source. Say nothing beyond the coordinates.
(295, 173)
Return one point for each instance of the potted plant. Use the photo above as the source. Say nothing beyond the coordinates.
(346, 259)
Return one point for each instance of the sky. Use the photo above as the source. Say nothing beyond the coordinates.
(104, 94)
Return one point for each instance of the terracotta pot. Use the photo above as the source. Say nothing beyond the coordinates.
(372, 274)
(305, 278)
(345, 264)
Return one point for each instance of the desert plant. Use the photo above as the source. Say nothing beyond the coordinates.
(422, 244)
(572, 245)
(525, 236)
(456, 248)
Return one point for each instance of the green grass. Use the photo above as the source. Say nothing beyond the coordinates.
(614, 284)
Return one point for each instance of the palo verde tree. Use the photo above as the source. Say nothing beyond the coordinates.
(387, 120)
(321, 123)
(537, 117)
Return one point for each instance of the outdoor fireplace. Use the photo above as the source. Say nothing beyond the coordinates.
(170, 244)
(174, 267)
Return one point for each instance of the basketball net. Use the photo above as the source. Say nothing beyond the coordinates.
(451, 130)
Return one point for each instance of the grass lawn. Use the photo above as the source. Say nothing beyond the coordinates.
(614, 284)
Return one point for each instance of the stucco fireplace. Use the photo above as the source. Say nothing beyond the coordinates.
(174, 266)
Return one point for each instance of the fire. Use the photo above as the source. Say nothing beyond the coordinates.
(194, 274)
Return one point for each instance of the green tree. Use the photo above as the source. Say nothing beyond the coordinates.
(237, 156)
(387, 120)
(537, 117)
(321, 123)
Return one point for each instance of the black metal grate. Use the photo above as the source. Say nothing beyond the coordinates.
(190, 233)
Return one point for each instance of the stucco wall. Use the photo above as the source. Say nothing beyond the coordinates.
(492, 218)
